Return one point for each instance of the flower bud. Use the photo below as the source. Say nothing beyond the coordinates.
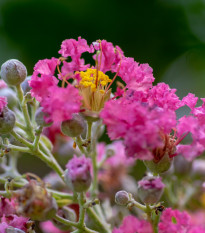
(77, 175)
(122, 198)
(13, 72)
(66, 213)
(160, 166)
(10, 95)
(7, 121)
(73, 127)
(40, 118)
(150, 189)
(25, 85)
(35, 202)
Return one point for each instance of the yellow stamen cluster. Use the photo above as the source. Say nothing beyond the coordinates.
(94, 79)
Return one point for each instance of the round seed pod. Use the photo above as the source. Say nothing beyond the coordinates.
(73, 127)
(40, 118)
(13, 72)
(7, 121)
(122, 198)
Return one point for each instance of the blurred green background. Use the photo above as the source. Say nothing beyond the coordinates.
(167, 34)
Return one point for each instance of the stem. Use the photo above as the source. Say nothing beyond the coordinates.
(103, 225)
(81, 201)
(65, 221)
(89, 135)
(37, 138)
(138, 205)
(24, 110)
(60, 195)
(79, 144)
(21, 139)
(95, 175)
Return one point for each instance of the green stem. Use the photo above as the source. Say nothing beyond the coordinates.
(138, 205)
(102, 225)
(66, 222)
(21, 139)
(95, 175)
(79, 143)
(37, 138)
(24, 109)
(81, 201)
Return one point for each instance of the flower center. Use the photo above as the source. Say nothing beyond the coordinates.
(94, 79)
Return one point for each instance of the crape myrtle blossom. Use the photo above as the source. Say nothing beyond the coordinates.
(174, 221)
(65, 87)
(132, 224)
(146, 120)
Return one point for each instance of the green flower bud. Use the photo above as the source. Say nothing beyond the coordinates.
(40, 118)
(73, 127)
(25, 85)
(122, 198)
(161, 166)
(7, 121)
(10, 95)
(13, 72)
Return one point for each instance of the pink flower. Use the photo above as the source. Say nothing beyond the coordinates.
(163, 96)
(15, 221)
(190, 100)
(7, 206)
(137, 77)
(74, 48)
(49, 227)
(110, 55)
(79, 167)
(41, 86)
(138, 124)
(155, 183)
(46, 66)
(78, 173)
(3, 103)
(61, 103)
(174, 221)
(132, 224)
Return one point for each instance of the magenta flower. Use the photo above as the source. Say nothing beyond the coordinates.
(174, 221)
(78, 173)
(152, 183)
(7, 207)
(132, 224)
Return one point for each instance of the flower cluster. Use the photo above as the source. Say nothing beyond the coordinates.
(60, 114)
